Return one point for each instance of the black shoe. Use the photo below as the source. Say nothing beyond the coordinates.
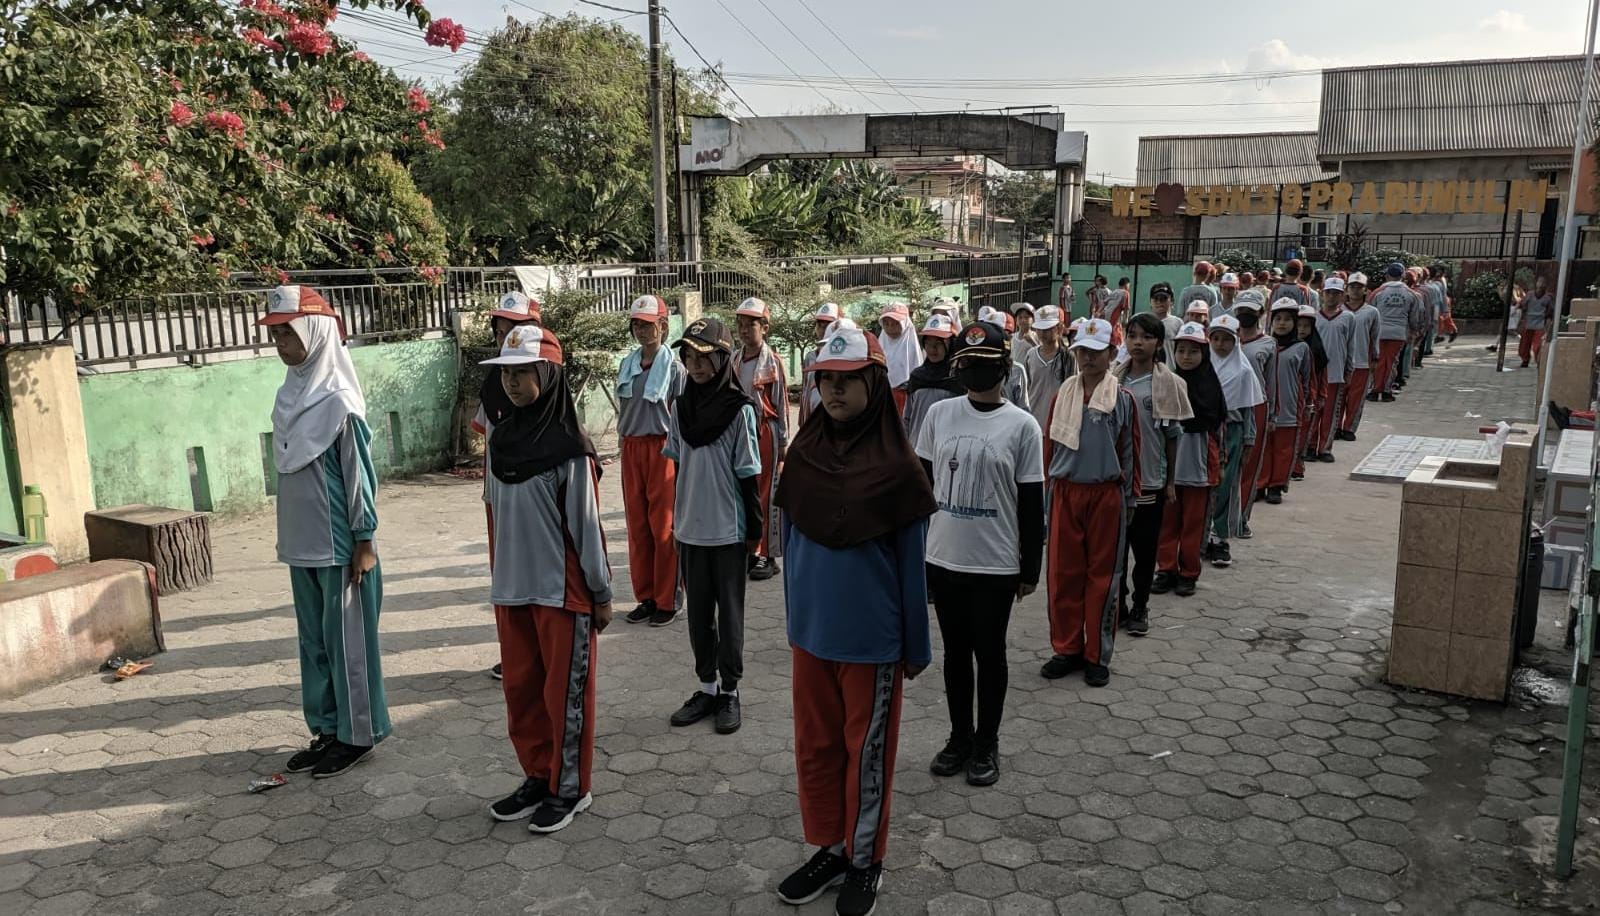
(1309, 454)
(1375, 396)
(859, 896)
(1244, 531)
(953, 758)
(645, 611)
(340, 758)
(1206, 550)
(750, 563)
(813, 879)
(1097, 675)
(1061, 666)
(983, 767)
(497, 672)
(520, 804)
(765, 568)
(695, 708)
(1162, 583)
(311, 756)
(1388, 398)
(1274, 496)
(1184, 588)
(663, 616)
(1325, 457)
(1138, 621)
(1221, 555)
(728, 718)
(556, 813)
(1295, 476)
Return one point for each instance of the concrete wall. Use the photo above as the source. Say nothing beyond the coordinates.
(1179, 275)
(48, 420)
(193, 437)
(66, 623)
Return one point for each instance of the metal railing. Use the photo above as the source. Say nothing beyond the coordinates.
(1095, 249)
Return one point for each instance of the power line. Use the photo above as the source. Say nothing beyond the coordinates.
(853, 53)
(614, 9)
(1146, 80)
(813, 52)
(748, 31)
(717, 71)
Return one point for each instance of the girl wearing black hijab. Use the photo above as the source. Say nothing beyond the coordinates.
(855, 506)
(544, 502)
(1316, 396)
(935, 379)
(1197, 465)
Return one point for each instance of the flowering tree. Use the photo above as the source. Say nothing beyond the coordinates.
(150, 144)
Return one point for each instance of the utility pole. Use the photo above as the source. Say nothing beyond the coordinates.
(658, 136)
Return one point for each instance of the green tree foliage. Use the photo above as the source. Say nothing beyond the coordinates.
(812, 206)
(1373, 262)
(1028, 197)
(1238, 259)
(150, 144)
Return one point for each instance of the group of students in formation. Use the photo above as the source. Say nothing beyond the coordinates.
(936, 464)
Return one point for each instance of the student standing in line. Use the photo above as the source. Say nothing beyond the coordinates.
(1227, 292)
(1395, 305)
(827, 313)
(1016, 385)
(1197, 313)
(900, 348)
(648, 380)
(1536, 310)
(935, 379)
(1289, 285)
(1197, 465)
(1098, 296)
(1335, 327)
(327, 515)
(717, 518)
(760, 372)
(1262, 353)
(1118, 308)
(1440, 278)
(855, 505)
(1162, 401)
(1161, 307)
(1092, 462)
(1289, 397)
(1200, 290)
(1364, 354)
(545, 491)
(1242, 392)
(1305, 329)
(1023, 338)
(1046, 365)
(984, 458)
(514, 309)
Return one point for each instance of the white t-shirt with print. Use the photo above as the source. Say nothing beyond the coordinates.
(978, 460)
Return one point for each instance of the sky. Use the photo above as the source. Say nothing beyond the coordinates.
(1117, 70)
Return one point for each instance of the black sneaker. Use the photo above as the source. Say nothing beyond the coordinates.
(1206, 551)
(983, 768)
(1138, 621)
(311, 756)
(1274, 496)
(695, 708)
(340, 758)
(645, 611)
(520, 804)
(859, 896)
(765, 568)
(1221, 555)
(1184, 588)
(497, 672)
(1244, 531)
(1163, 583)
(728, 718)
(1325, 457)
(1061, 666)
(663, 616)
(1388, 397)
(1096, 675)
(949, 761)
(1375, 396)
(555, 813)
(813, 879)
(1295, 475)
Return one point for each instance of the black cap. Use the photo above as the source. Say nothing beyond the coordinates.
(1161, 288)
(706, 335)
(982, 340)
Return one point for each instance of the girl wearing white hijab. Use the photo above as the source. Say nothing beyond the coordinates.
(900, 348)
(326, 520)
(1242, 391)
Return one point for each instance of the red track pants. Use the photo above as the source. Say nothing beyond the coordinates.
(900, 397)
(1183, 528)
(1529, 343)
(1252, 472)
(846, 730)
(1280, 456)
(1088, 544)
(1322, 433)
(649, 488)
(766, 482)
(547, 655)
(1355, 397)
(1388, 360)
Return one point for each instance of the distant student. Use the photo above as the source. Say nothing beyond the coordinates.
(1047, 365)
(1439, 276)
(827, 313)
(1015, 389)
(717, 517)
(1197, 465)
(1200, 290)
(1243, 394)
(900, 347)
(760, 373)
(984, 457)
(648, 381)
(1227, 292)
(1305, 329)
(1536, 310)
(1290, 285)
(327, 516)
(855, 504)
(548, 613)
(934, 380)
(1118, 308)
(1364, 353)
(1023, 337)
(1261, 351)
(1162, 401)
(1335, 327)
(1395, 304)
(1161, 306)
(1098, 296)
(1094, 444)
(1293, 383)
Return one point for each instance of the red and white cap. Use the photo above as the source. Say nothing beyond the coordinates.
(286, 303)
(1198, 307)
(1306, 311)
(939, 325)
(1357, 277)
(648, 308)
(1285, 305)
(827, 312)
(899, 311)
(515, 306)
(531, 344)
(1229, 279)
(1333, 283)
(985, 313)
(1227, 323)
(1192, 331)
(847, 349)
(752, 308)
(1047, 317)
(1093, 334)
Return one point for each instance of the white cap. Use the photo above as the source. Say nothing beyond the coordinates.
(1192, 331)
(988, 314)
(1358, 277)
(1253, 299)
(752, 308)
(1047, 317)
(899, 311)
(1198, 306)
(1333, 283)
(1306, 311)
(1093, 334)
(1226, 323)
(527, 344)
(516, 306)
(1286, 304)
(827, 311)
(1229, 279)
(648, 308)
(846, 349)
(939, 325)
(1021, 306)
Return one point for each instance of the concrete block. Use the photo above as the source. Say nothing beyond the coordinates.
(26, 560)
(52, 448)
(68, 622)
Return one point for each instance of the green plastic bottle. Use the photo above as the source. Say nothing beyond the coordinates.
(33, 513)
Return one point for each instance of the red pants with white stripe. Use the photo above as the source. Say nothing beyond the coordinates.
(766, 483)
(1183, 529)
(1252, 473)
(1529, 343)
(649, 488)
(846, 730)
(1355, 397)
(1280, 456)
(1388, 365)
(1088, 544)
(547, 655)
(1322, 433)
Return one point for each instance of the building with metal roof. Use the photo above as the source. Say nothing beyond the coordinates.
(1270, 158)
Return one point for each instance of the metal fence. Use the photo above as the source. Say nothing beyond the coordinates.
(390, 303)
(1095, 249)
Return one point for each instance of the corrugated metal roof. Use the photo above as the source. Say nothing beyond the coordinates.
(1511, 105)
(1230, 159)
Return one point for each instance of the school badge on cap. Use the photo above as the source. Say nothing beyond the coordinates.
(530, 344)
(286, 303)
(827, 312)
(939, 325)
(975, 336)
(1192, 331)
(1046, 318)
(515, 306)
(648, 308)
(1093, 334)
(752, 308)
(848, 349)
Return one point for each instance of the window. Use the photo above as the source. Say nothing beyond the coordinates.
(1314, 233)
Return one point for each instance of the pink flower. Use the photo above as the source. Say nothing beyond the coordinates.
(445, 31)
(283, 107)
(363, 57)
(225, 122)
(180, 114)
(309, 39)
(418, 99)
(336, 104)
(260, 39)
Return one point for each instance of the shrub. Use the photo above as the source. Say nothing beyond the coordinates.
(1240, 259)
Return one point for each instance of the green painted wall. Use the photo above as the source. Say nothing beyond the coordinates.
(142, 424)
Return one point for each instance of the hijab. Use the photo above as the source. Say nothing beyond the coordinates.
(1240, 387)
(704, 411)
(542, 435)
(935, 374)
(1205, 395)
(844, 484)
(904, 354)
(1319, 353)
(316, 397)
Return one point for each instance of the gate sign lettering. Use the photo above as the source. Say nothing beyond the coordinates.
(1390, 197)
(707, 155)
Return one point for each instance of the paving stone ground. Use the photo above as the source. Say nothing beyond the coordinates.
(1246, 758)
